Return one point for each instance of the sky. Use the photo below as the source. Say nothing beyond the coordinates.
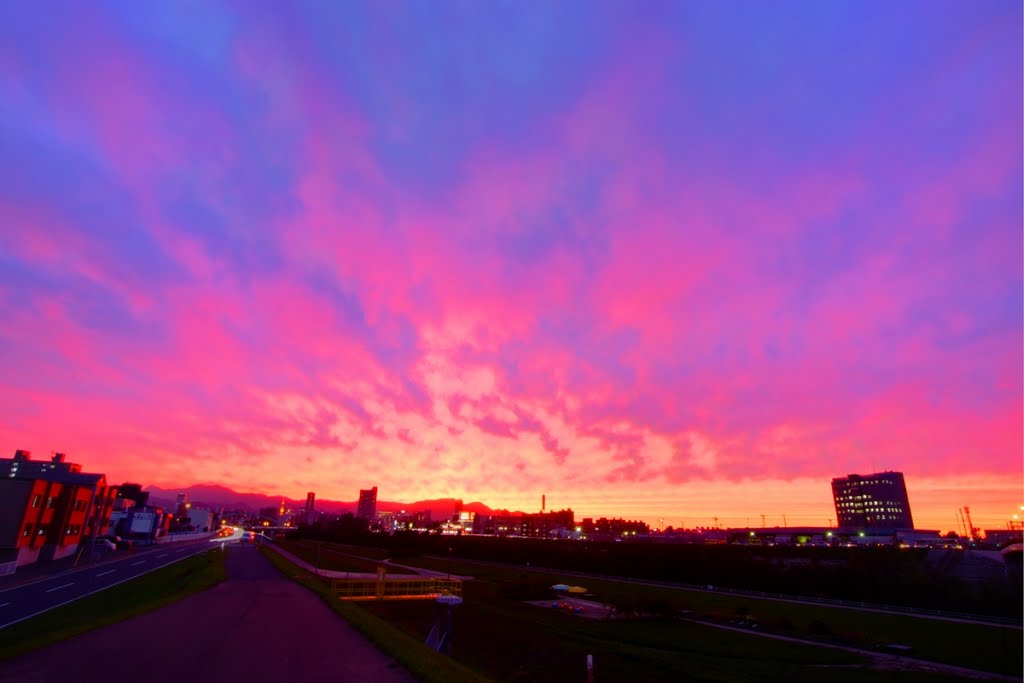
(673, 261)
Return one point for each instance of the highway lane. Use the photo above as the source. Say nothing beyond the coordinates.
(21, 602)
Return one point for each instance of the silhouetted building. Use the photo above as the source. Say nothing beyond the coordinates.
(872, 501)
(181, 505)
(310, 516)
(609, 529)
(543, 524)
(367, 508)
(200, 519)
(22, 465)
(131, 495)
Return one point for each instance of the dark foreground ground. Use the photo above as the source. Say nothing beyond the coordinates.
(257, 626)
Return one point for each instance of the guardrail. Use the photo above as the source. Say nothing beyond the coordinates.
(175, 538)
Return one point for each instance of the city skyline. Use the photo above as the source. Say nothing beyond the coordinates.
(984, 518)
(665, 262)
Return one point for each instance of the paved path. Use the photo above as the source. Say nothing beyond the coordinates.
(257, 626)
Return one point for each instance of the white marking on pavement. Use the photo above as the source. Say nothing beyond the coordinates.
(135, 564)
(159, 556)
(59, 587)
(79, 597)
(5, 604)
(109, 571)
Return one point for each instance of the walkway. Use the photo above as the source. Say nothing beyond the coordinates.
(256, 627)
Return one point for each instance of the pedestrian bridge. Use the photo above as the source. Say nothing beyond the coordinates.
(383, 588)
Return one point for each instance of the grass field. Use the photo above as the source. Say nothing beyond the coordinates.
(148, 592)
(508, 640)
(987, 648)
(502, 638)
(329, 556)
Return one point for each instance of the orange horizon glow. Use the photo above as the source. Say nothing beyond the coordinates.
(934, 501)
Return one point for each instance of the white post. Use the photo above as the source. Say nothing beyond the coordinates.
(590, 668)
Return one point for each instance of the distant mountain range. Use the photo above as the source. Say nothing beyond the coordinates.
(215, 496)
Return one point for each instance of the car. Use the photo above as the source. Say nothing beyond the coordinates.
(119, 543)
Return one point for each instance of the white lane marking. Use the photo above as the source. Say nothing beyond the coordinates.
(159, 556)
(5, 604)
(59, 587)
(136, 564)
(68, 602)
(109, 571)
(180, 550)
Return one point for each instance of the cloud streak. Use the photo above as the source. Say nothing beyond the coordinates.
(654, 255)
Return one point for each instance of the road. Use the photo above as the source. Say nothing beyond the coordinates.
(23, 601)
(257, 626)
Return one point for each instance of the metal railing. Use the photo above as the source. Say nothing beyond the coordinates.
(395, 589)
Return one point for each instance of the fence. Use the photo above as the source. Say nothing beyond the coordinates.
(395, 589)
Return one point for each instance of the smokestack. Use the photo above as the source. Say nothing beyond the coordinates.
(543, 502)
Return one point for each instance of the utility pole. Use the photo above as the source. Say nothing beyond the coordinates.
(763, 522)
(784, 524)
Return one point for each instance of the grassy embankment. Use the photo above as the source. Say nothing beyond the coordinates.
(977, 646)
(146, 593)
(421, 661)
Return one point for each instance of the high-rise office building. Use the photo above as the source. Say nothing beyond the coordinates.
(181, 505)
(367, 508)
(872, 501)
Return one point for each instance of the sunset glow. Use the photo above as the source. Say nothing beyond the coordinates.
(662, 261)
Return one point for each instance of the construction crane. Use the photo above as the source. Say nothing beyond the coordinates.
(970, 525)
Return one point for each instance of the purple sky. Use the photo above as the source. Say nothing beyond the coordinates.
(660, 260)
